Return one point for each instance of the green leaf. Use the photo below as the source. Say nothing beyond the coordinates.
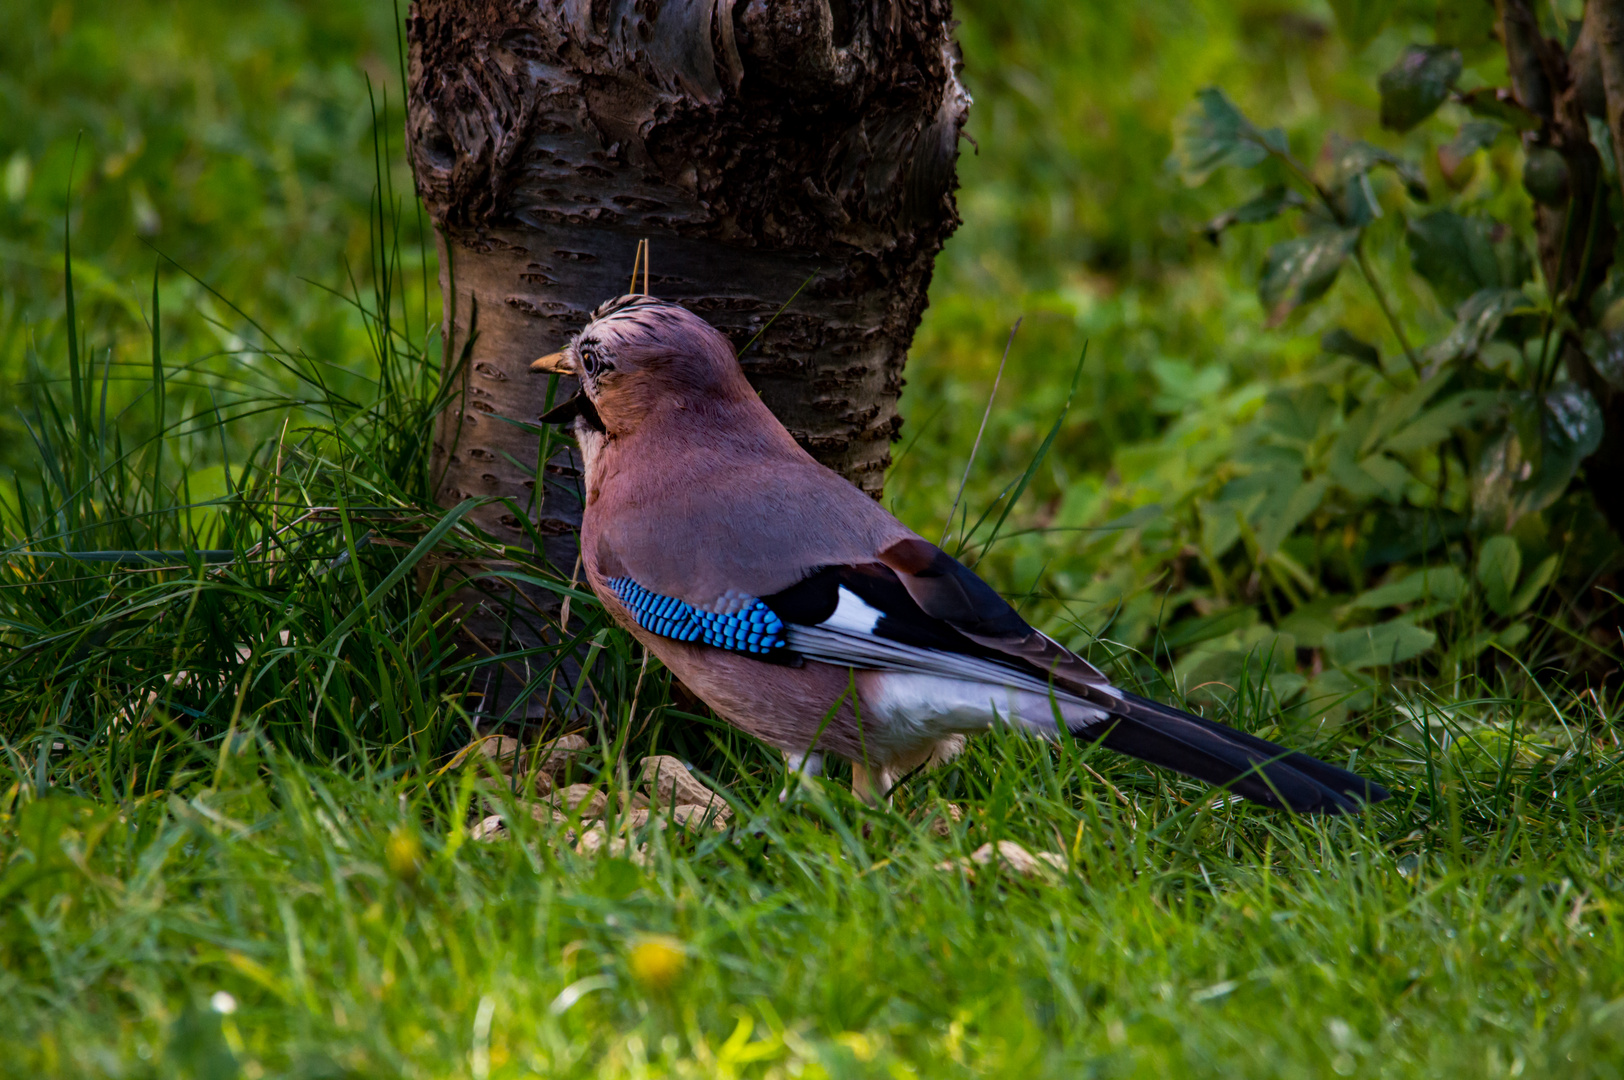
(1512, 636)
(1364, 430)
(1273, 529)
(1354, 480)
(1435, 583)
(1602, 139)
(1391, 642)
(1531, 464)
(1220, 527)
(1265, 207)
(1343, 460)
(1215, 133)
(1311, 623)
(1402, 534)
(1495, 475)
(1499, 564)
(1450, 415)
(1499, 103)
(1413, 88)
(1466, 24)
(1331, 694)
(1299, 271)
(1391, 476)
(1348, 160)
(1286, 684)
(1297, 415)
(1570, 430)
(1455, 254)
(1533, 584)
(1474, 135)
(1257, 494)
(1361, 20)
(1477, 321)
(1572, 422)
(1187, 632)
(1340, 342)
(1605, 350)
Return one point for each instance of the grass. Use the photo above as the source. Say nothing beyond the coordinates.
(235, 822)
(357, 930)
(235, 836)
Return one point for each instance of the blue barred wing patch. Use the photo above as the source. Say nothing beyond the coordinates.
(751, 628)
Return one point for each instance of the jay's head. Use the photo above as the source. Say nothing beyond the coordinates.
(640, 357)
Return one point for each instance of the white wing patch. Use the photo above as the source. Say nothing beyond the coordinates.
(853, 614)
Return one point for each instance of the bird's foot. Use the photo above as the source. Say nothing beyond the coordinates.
(799, 766)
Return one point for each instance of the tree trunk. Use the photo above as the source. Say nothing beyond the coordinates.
(1602, 38)
(758, 145)
(1559, 87)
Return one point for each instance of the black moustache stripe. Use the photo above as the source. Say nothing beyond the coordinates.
(578, 406)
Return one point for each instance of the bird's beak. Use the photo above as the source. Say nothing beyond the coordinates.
(558, 363)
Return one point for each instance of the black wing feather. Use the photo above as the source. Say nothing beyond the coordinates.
(1249, 766)
(936, 609)
(929, 599)
(813, 600)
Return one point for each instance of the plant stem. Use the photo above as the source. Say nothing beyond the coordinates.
(1558, 295)
(1358, 253)
(1307, 178)
(1381, 301)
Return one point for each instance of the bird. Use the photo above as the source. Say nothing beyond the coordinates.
(802, 612)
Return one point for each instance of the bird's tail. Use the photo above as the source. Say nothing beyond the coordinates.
(1251, 767)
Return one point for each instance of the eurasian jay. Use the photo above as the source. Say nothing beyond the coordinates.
(802, 612)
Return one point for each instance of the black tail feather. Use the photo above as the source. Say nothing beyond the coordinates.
(1251, 767)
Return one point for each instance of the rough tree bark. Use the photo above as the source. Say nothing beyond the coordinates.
(758, 145)
(1599, 64)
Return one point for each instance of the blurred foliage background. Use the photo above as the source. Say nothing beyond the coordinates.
(230, 151)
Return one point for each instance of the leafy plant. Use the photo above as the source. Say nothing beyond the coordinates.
(1429, 452)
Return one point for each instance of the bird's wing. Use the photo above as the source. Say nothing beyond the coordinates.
(911, 607)
(916, 608)
(946, 592)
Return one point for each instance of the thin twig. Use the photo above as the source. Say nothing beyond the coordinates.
(637, 260)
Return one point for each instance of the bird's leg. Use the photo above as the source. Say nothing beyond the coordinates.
(800, 765)
(871, 784)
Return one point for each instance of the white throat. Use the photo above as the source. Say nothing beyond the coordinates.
(590, 441)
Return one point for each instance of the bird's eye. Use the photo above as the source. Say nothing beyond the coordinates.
(591, 360)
